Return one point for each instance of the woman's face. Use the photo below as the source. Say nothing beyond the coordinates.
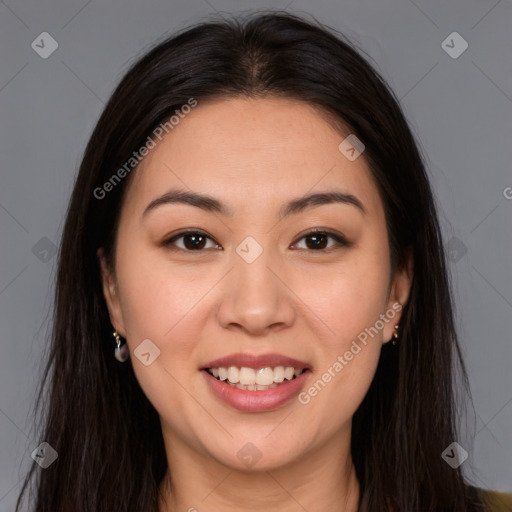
(254, 292)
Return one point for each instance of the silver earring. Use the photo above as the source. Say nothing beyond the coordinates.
(121, 352)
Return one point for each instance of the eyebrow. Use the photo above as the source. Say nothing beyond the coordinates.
(210, 204)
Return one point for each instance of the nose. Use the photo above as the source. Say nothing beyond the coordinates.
(255, 297)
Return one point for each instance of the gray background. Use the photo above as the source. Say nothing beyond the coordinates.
(460, 109)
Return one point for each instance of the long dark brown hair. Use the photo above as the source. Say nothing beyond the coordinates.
(111, 456)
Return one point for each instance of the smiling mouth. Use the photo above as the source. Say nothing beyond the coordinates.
(261, 379)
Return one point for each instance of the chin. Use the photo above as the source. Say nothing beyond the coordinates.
(258, 455)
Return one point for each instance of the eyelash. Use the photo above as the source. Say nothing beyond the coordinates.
(340, 240)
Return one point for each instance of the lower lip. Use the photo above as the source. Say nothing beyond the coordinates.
(256, 401)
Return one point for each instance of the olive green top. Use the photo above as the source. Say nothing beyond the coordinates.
(493, 500)
(497, 501)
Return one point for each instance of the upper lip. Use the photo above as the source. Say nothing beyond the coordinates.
(256, 361)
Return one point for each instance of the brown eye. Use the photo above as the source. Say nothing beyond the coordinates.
(318, 241)
(196, 241)
(192, 241)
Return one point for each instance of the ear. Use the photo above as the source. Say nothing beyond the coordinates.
(110, 293)
(399, 293)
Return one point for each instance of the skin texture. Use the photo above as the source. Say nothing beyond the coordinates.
(295, 300)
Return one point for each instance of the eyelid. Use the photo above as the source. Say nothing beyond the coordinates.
(340, 239)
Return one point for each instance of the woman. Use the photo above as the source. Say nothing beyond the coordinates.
(253, 222)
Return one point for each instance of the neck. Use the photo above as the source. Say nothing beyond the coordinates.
(316, 483)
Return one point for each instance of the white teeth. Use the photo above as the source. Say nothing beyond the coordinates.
(289, 373)
(247, 376)
(264, 377)
(254, 387)
(255, 380)
(279, 374)
(233, 374)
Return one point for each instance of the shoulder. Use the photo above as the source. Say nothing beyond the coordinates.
(497, 501)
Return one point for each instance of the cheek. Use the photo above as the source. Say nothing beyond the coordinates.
(347, 298)
(162, 303)
(347, 303)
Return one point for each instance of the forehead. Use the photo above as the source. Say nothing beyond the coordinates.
(245, 151)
